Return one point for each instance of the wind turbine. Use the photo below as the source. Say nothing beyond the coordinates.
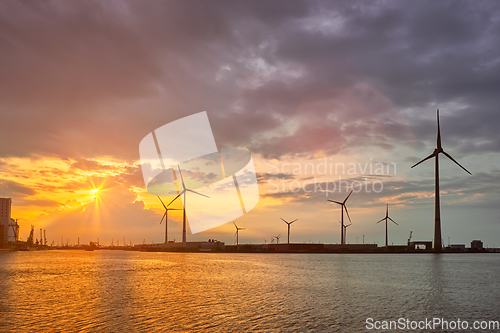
(288, 223)
(342, 204)
(387, 218)
(184, 191)
(437, 209)
(265, 241)
(278, 239)
(345, 231)
(237, 234)
(166, 217)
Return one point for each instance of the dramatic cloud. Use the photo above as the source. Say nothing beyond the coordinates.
(78, 76)
(15, 188)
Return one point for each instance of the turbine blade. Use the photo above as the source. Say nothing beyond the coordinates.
(392, 220)
(340, 203)
(283, 220)
(347, 197)
(182, 178)
(439, 132)
(347, 214)
(381, 220)
(387, 210)
(235, 225)
(162, 202)
(425, 159)
(163, 217)
(206, 196)
(451, 158)
(293, 221)
(178, 195)
(241, 228)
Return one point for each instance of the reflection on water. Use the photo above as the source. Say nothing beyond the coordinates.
(131, 291)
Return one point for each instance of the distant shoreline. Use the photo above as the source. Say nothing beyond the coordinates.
(230, 251)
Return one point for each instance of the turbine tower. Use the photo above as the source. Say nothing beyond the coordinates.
(387, 218)
(184, 191)
(237, 234)
(342, 204)
(437, 210)
(288, 223)
(166, 217)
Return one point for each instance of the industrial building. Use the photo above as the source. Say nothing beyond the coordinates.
(9, 229)
(476, 245)
(419, 245)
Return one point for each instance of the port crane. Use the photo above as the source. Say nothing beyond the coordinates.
(30, 237)
(15, 230)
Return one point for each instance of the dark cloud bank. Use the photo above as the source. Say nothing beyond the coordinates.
(92, 78)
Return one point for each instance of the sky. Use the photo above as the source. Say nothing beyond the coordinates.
(297, 83)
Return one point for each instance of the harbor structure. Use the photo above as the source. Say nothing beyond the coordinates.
(9, 229)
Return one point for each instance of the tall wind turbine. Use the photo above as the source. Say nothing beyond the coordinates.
(288, 223)
(342, 204)
(237, 234)
(184, 191)
(166, 217)
(387, 218)
(437, 210)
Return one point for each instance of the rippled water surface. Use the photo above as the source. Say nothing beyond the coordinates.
(115, 291)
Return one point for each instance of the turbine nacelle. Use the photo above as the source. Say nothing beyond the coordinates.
(439, 149)
(237, 227)
(287, 221)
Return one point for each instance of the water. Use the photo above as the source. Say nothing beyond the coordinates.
(115, 291)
